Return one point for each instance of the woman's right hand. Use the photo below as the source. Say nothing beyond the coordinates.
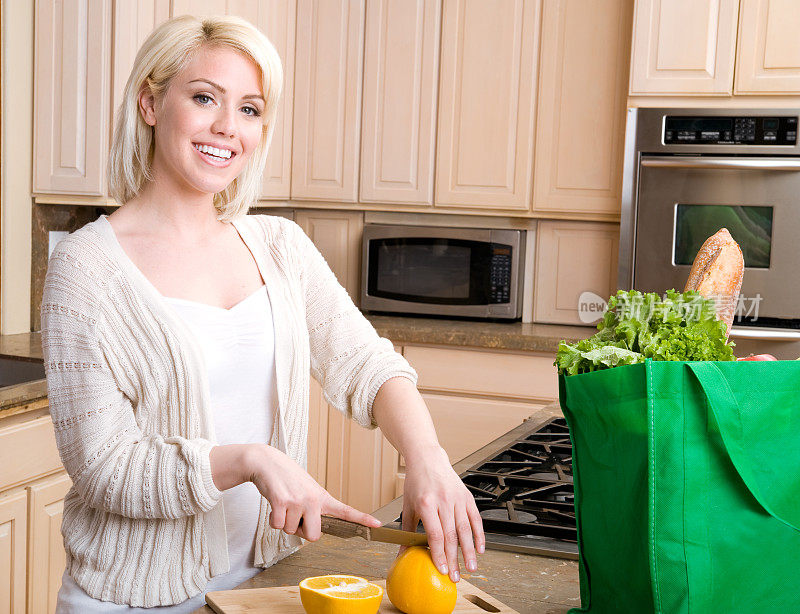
(295, 496)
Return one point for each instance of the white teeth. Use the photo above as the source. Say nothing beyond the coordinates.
(219, 153)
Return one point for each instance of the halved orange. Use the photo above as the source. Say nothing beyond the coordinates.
(340, 594)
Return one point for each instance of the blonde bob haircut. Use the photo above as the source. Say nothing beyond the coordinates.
(167, 51)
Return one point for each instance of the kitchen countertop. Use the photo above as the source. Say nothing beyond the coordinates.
(30, 395)
(477, 334)
(529, 584)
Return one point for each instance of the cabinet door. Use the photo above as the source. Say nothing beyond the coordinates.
(573, 258)
(487, 100)
(276, 19)
(133, 22)
(13, 535)
(768, 54)
(337, 235)
(317, 447)
(580, 128)
(47, 557)
(327, 99)
(71, 97)
(401, 61)
(683, 47)
(466, 424)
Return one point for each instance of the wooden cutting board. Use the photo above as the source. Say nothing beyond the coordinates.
(286, 600)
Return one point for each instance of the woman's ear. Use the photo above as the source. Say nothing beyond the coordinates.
(147, 105)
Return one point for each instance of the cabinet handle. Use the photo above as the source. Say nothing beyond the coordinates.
(765, 334)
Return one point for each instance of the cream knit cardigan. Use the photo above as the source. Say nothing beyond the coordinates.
(143, 523)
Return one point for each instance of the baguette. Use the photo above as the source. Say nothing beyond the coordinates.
(717, 274)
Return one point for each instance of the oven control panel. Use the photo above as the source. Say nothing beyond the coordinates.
(738, 130)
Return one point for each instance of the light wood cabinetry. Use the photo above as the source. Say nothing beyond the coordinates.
(401, 69)
(768, 49)
(13, 543)
(683, 47)
(47, 558)
(580, 127)
(573, 258)
(33, 485)
(487, 87)
(327, 99)
(71, 96)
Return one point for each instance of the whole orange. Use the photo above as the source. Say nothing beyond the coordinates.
(415, 586)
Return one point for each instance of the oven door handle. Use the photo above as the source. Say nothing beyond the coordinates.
(765, 334)
(755, 164)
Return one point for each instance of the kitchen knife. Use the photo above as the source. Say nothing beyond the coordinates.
(345, 528)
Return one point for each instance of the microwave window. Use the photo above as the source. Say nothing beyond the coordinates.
(436, 269)
(426, 270)
(750, 226)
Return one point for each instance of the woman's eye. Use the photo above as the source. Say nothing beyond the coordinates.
(202, 98)
(251, 111)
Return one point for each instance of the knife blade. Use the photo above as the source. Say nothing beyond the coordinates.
(344, 528)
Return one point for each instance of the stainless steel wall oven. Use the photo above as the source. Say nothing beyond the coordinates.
(690, 172)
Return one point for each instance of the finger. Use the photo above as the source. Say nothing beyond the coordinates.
(433, 528)
(447, 518)
(464, 530)
(336, 508)
(476, 522)
(293, 516)
(310, 525)
(277, 518)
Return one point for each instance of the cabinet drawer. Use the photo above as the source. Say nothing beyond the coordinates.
(27, 451)
(479, 372)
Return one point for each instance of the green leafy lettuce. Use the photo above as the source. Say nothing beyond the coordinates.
(637, 326)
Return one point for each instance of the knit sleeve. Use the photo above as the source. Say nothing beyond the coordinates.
(113, 466)
(348, 357)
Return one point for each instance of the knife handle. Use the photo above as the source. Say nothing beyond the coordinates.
(343, 528)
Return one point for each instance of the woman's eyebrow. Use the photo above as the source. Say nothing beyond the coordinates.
(222, 89)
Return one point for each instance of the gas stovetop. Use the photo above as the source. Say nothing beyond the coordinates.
(522, 485)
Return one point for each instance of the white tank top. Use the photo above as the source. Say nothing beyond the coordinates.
(238, 346)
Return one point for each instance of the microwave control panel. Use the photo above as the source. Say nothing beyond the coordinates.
(500, 274)
(735, 130)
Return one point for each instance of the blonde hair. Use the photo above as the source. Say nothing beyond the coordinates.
(167, 51)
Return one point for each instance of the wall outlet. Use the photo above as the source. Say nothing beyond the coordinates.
(53, 237)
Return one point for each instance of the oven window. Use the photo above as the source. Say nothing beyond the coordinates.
(750, 226)
(424, 270)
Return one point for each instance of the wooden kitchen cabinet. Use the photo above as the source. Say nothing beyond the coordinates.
(683, 47)
(337, 235)
(580, 126)
(573, 258)
(768, 50)
(401, 71)
(71, 96)
(276, 19)
(487, 100)
(13, 544)
(47, 558)
(33, 485)
(327, 99)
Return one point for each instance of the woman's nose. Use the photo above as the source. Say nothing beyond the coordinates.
(225, 123)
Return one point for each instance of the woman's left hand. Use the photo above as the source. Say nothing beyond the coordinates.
(436, 495)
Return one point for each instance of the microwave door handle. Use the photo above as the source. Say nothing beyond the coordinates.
(755, 164)
(765, 334)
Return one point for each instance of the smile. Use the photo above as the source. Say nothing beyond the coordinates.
(213, 154)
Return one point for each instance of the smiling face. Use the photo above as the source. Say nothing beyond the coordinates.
(208, 123)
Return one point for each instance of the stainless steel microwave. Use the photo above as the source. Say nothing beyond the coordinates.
(462, 272)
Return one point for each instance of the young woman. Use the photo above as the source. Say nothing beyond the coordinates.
(179, 334)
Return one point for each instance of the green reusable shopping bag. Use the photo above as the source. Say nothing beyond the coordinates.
(687, 486)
